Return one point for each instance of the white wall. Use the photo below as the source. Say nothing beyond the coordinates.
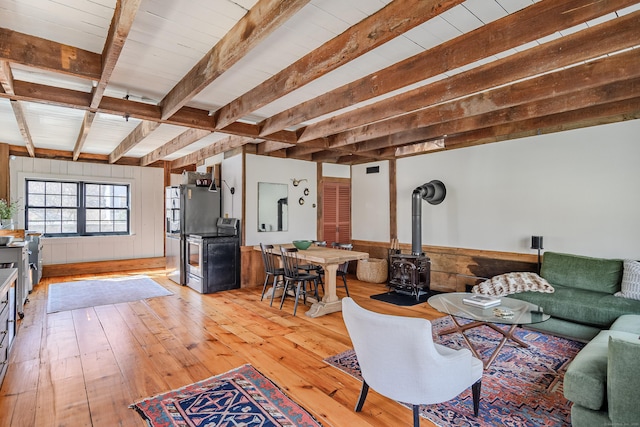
(302, 218)
(578, 189)
(370, 203)
(147, 210)
(232, 176)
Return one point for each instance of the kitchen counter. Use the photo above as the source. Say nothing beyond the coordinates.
(18, 254)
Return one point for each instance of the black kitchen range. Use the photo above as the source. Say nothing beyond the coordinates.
(203, 249)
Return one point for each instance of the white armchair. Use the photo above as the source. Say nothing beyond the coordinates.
(399, 360)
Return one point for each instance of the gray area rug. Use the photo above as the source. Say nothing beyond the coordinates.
(90, 293)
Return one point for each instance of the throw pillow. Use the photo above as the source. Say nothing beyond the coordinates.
(630, 286)
(511, 283)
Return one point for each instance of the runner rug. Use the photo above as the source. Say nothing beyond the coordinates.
(240, 397)
(523, 386)
(91, 293)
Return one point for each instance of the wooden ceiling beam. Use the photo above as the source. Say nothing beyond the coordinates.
(121, 23)
(48, 55)
(593, 42)
(6, 78)
(179, 142)
(187, 116)
(617, 68)
(263, 18)
(610, 112)
(84, 132)
(389, 22)
(24, 128)
(216, 148)
(44, 153)
(144, 129)
(538, 20)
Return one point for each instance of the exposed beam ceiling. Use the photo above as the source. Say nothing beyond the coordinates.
(327, 81)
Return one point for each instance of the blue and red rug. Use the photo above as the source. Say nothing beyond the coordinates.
(241, 397)
(523, 386)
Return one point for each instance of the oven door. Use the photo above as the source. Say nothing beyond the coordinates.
(194, 256)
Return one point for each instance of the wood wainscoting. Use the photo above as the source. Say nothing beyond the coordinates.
(454, 269)
(98, 267)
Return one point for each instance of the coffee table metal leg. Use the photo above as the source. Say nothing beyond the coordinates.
(506, 335)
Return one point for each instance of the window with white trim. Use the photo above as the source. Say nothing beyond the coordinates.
(70, 208)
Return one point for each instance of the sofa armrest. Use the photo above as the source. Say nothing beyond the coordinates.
(623, 380)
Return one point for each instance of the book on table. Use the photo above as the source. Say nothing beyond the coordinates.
(483, 301)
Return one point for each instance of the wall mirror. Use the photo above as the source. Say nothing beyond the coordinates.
(273, 213)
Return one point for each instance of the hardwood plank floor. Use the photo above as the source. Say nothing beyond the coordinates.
(85, 367)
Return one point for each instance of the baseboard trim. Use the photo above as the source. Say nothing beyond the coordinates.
(95, 267)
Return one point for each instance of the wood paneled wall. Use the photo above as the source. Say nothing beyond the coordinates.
(452, 269)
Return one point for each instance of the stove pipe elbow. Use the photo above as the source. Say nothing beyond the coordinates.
(434, 193)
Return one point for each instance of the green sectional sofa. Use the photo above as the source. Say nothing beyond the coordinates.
(603, 381)
(583, 302)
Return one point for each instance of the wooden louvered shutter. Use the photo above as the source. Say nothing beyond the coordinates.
(336, 210)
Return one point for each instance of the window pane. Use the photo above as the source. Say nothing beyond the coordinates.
(120, 226)
(120, 191)
(53, 227)
(120, 202)
(93, 215)
(37, 226)
(93, 227)
(69, 215)
(70, 189)
(35, 187)
(69, 201)
(53, 187)
(53, 200)
(106, 215)
(53, 214)
(106, 202)
(120, 215)
(106, 190)
(106, 227)
(36, 200)
(92, 189)
(35, 215)
(92, 201)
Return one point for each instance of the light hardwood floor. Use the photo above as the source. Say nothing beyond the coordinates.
(85, 367)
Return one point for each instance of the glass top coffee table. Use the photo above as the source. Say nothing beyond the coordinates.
(511, 311)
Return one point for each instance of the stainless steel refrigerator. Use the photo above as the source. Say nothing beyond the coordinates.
(190, 209)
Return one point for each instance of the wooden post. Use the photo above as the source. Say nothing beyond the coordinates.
(5, 187)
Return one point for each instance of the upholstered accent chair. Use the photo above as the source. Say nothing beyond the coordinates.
(399, 360)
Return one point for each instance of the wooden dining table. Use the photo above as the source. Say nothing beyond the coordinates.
(329, 259)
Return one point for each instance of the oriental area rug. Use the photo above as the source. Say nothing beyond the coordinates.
(523, 386)
(91, 293)
(240, 397)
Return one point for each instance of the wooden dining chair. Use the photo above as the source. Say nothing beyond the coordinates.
(271, 270)
(344, 267)
(296, 279)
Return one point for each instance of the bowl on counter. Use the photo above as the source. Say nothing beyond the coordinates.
(5, 240)
(302, 244)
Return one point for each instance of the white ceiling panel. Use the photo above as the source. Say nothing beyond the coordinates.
(79, 23)
(51, 126)
(158, 137)
(10, 132)
(107, 132)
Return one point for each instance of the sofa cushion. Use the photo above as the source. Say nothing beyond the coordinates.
(630, 286)
(582, 306)
(585, 382)
(627, 323)
(595, 274)
(623, 380)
